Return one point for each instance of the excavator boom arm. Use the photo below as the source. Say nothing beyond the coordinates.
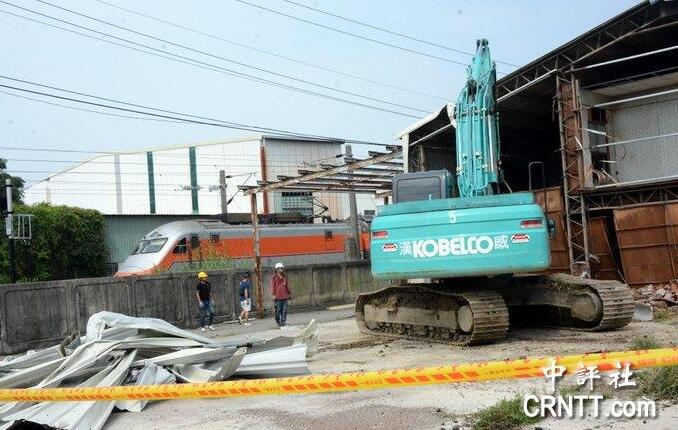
(476, 131)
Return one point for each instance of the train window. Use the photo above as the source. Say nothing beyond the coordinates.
(214, 238)
(195, 241)
(152, 245)
(328, 234)
(180, 247)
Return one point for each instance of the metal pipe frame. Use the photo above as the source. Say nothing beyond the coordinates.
(630, 57)
(631, 99)
(358, 165)
(628, 198)
(638, 20)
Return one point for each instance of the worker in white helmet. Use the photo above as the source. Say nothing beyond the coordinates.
(280, 292)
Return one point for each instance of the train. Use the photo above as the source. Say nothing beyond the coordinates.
(179, 245)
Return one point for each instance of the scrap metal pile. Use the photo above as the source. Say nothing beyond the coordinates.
(122, 350)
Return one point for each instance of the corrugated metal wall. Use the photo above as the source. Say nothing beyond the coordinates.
(284, 157)
(648, 242)
(645, 118)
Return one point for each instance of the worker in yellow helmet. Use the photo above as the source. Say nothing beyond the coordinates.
(205, 302)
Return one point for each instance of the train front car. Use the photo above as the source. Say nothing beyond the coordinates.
(152, 251)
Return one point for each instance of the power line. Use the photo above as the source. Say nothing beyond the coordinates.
(242, 64)
(374, 27)
(156, 153)
(263, 51)
(167, 114)
(124, 163)
(217, 159)
(90, 110)
(193, 62)
(123, 109)
(327, 27)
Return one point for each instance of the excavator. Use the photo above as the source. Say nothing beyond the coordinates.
(464, 260)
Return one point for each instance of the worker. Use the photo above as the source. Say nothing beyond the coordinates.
(245, 301)
(205, 302)
(280, 293)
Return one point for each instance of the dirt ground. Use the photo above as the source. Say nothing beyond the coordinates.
(344, 348)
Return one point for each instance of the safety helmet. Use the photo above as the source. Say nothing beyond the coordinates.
(202, 275)
(279, 266)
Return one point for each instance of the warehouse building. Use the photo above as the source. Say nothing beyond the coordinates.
(601, 113)
(186, 179)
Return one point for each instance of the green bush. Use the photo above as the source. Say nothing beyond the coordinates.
(506, 415)
(68, 242)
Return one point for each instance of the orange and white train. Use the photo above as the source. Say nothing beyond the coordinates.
(176, 245)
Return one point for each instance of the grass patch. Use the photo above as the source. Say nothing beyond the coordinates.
(505, 415)
(660, 383)
(569, 390)
(664, 315)
(645, 342)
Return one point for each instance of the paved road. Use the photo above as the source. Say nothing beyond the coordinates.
(268, 323)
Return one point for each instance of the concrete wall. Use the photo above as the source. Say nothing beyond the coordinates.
(40, 314)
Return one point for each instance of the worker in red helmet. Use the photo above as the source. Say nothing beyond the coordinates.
(280, 292)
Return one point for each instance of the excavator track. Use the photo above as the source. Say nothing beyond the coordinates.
(465, 317)
(608, 305)
(459, 318)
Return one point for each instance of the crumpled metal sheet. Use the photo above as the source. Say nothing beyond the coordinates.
(79, 415)
(209, 372)
(287, 361)
(151, 374)
(98, 322)
(118, 349)
(189, 356)
(30, 359)
(309, 337)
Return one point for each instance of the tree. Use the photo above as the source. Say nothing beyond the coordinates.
(68, 242)
(17, 183)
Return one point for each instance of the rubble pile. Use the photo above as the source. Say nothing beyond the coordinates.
(660, 296)
(122, 350)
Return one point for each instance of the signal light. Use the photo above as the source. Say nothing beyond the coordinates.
(530, 223)
(380, 234)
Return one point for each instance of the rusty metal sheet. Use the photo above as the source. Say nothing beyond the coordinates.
(647, 238)
(599, 245)
(560, 257)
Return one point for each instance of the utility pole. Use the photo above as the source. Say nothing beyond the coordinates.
(224, 196)
(9, 230)
(257, 256)
(353, 208)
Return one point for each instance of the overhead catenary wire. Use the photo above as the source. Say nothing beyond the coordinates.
(217, 159)
(195, 63)
(348, 33)
(209, 54)
(90, 110)
(271, 53)
(168, 114)
(395, 33)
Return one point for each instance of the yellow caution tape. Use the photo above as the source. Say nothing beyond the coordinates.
(484, 371)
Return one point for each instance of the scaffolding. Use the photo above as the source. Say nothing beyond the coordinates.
(356, 176)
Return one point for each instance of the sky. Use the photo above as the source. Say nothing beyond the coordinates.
(518, 31)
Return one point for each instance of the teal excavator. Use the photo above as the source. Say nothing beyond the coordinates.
(465, 259)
